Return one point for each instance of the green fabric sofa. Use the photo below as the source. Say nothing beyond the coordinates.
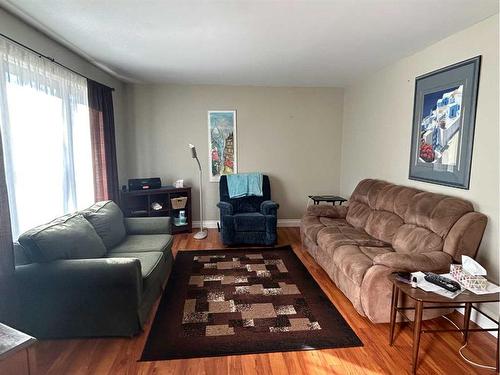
(92, 273)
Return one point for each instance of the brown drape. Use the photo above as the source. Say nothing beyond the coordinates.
(102, 125)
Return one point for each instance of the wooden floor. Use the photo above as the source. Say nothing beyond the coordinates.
(438, 353)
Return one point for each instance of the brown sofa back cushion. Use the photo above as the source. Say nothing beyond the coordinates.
(358, 214)
(410, 219)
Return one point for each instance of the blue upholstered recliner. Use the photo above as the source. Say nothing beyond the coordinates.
(248, 220)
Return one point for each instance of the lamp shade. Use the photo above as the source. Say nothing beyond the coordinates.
(193, 151)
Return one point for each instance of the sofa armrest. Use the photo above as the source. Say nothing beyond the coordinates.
(148, 225)
(465, 236)
(334, 212)
(82, 273)
(426, 262)
(80, 297)
(269, 208)
(226, 208)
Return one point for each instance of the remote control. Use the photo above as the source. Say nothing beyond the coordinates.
(404, 277)
(443, 282)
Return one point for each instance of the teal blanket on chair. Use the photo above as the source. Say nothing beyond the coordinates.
(244, 184)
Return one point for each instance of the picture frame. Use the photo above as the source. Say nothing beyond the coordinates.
(222, 144)
(444, 114)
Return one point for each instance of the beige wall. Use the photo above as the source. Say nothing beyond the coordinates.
(27, 35)
(378, 119)
(292, 134)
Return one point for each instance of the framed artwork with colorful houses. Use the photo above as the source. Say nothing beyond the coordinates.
(444, 114)
(222, 153)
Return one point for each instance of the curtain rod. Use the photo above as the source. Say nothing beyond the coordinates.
(51, 59)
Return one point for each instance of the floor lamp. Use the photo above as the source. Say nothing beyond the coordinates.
(203, 232)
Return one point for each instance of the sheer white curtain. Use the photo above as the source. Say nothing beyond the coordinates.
(44, 119)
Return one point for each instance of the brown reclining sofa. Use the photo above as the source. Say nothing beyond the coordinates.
(386, 228)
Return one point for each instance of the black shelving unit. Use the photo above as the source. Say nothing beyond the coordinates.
(138, 203)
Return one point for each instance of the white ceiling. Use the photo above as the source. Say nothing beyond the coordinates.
(271, 43)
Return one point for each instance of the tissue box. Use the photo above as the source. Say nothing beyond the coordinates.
(466, 279)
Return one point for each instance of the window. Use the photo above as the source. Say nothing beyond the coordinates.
(46, 137)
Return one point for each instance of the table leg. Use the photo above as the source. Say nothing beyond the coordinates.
(416, 334)
(31, 357)
(498, 345)
(394, 306)
(467, 311)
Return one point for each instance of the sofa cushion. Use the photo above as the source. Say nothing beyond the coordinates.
(410, 238)
(107, 219)
(358, 214)
(352, 262)
(67, 237)
(436, 212)
(350, 289)
(138, 243)
(383, 225)
(326, 210)
(331, 222)
(333, 237)
(355, 260)
(372, 251)
(360, 193)
(152, 265)
(250, 222)
(310, 227)
(395, 198)
(373, 193)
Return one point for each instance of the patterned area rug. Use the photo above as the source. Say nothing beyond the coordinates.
(222, 302)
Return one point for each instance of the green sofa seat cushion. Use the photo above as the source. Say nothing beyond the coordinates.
(67, 237)
(152, 266)
(144, 242)
(107, 219)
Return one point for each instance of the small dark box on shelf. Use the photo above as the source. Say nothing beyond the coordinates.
(144, 183)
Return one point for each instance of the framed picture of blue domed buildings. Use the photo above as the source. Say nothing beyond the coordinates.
(222, 155)
(444, 114)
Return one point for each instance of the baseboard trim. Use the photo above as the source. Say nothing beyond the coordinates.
(206, 224)
(289, 223)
